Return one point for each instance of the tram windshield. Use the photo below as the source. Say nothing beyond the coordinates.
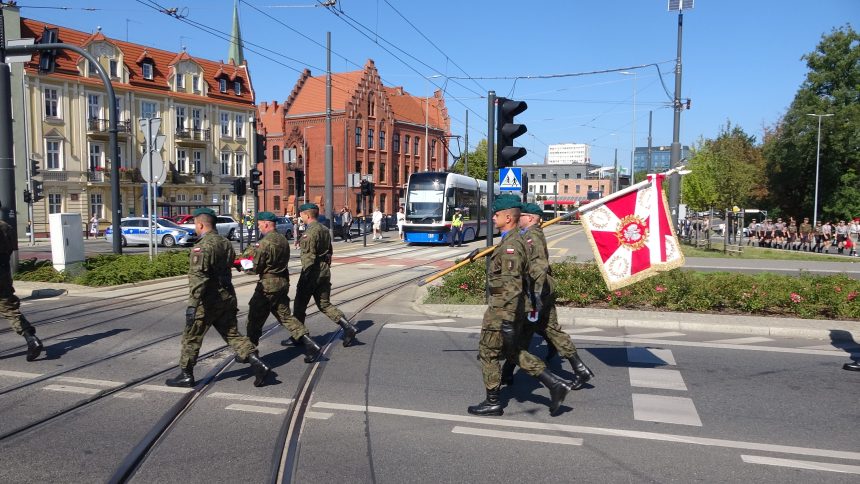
(425, 198)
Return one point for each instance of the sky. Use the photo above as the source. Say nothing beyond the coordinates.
(741, 58)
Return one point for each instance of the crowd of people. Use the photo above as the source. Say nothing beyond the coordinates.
(842, 236)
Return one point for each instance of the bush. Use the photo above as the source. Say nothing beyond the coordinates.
(110, 269)
(38, 270)
(581, 285)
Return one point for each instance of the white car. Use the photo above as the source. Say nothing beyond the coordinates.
(135, 230)
(225, 225)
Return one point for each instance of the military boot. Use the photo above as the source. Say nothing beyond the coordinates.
(34, 346)
(853, 366)
(508, 372)
(582, 372)
(261, 371)
(288, 342)
(312, 349)
(491, 407)
(558, 389)
(349, 331)
(185, 378)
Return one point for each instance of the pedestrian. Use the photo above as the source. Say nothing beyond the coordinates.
(298, 230)
(841, 232)
(826, 236)
(805, 235)
(791, 230)
(854, 235)
(271, 255)
(10, 305)
(346, 223)
(212, 302)
(401, 221)
(540, 302)
(377, 224)
(315, 280)
(457, 228)
(94, 225)
(249, 222)
(505, 315)
(751, 233)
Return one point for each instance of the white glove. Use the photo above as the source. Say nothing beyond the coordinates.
(246, 264)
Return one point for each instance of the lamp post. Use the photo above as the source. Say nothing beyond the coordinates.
(555, 191)
(633, 139)
(817, 164)
(305, 163)
(427, 126)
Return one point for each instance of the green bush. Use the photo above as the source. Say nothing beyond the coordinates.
(38, 270)
(581, 285)
(110, 269)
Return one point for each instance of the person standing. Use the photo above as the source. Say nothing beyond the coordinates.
(315, 280)
(805, 235)
(505, 316)
(271, 255)
(94, 226)
(10, 305)
(841, 236)
(541, 301)
(212, 302)
(377, 224)
(854, 236)
(457, 228)
(401, 221)
(346, 223)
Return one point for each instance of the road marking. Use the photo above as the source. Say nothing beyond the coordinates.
(561, 251)
(742, 341)
(429, 321)
(500, 434)
(256, 409)
(650, 356)
(128, 395)
(657, 378)
(319, 415)
(163, 388)
(602, 431)
(673, 410)
(250, 398)
(667, 334)
(19, 374)
(87, 381)
(583, 330)
(445, 329)
(71, 389)
(395, 265)
(846, 349)
(801, 464)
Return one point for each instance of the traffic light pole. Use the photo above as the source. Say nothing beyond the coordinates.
(491, 171)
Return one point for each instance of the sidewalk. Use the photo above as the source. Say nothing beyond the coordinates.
(40, 290)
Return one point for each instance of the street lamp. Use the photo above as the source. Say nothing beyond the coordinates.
(427, 126)
(305, 163)
(633, 148)
(555, 191)
(817, 163)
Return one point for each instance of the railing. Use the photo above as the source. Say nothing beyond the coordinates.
(194, 134)
(96, 176)
(95, 125)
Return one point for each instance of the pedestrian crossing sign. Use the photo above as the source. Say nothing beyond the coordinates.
(511, 179)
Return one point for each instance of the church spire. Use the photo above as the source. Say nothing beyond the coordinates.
(235, 53)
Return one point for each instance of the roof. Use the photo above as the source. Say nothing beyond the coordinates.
(411, 109)
(133, 56)
(310, 98)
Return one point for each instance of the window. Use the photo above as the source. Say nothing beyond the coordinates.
(370, 169)
(357, 137)
(222, 85)
(382, 199)
(181, 197)
(240, 164)
(406, 172)
(55, 203)
(415, 146)
(119, 155)
(225, 124)
(195, 83)
(543, 176)
(369, 138)
(578, 176)
(395, 171)
(146, 67)
(371, 108)
(237, 87)
(52, 103)
(91, 69)
(114, 68)
(96, 159)
(225, 163)
(276, 153)
(118, 110)
(97, 205)
(240, 126)
(406, 145)
(181, 161)
(52, 154)
(148, 109)
(196, 122)
(180, 82)
(382, 140)
(197, 197)
(358, 166)
(566, 176)
(276, 203)
(225, 203)
(577, 188)
(565, 188)
(433, 149)
(396, 144)
(197, 161)
(276, 178)
(180, 118)
(94, 106)
(381, 172)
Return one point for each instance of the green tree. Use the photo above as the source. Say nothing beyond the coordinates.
(477, 161)
(830, 87)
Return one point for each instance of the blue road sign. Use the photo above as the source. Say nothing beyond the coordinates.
(511, 179)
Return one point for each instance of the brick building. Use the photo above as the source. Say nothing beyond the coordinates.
(378, 131)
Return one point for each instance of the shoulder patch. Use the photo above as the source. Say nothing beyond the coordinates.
(529, 241)
(198, 249)
(256, 245)
(509, 251)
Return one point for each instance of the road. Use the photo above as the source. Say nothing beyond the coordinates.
(664, 406)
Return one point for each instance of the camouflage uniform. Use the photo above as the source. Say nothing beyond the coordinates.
(10, 305)
(315, 279)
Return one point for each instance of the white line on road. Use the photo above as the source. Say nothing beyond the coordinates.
(88, 381)
(250, 398)
(19, 374)
(742, 341)
(256, 409)
(667, 334)
(606, 432)
(319, 415)
(128, 395)
(830, 347)
(164, 388)
(657, 378)
(801, 464)
(673, 410)
(650, 356)
(71, 389)
(500, 434)
(429, 321)
(583, 330)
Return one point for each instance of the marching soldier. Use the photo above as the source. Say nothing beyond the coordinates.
(10, 305)
(212, 302)
(270, 258)
(542, 299)
(315, 280)
(504, 319)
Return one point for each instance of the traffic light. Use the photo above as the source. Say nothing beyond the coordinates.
(27, 197)
(366, 188)
(38, 191)
(34, 168)
(300, 183)
(239, 187)
(507, 130)
(255, 178)
(48, 58)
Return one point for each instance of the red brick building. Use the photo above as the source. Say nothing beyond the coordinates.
(377, 130)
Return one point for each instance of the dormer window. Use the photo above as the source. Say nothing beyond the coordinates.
(147, 69)
(237, 87)
(222, 85)
(114, 68)
(91, 69)
(180, 81)
(195, 83)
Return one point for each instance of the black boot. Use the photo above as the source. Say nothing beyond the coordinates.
(558, 389)
(185, 378)
(288, 342)
(34, 346)
(853, 366)
(349, 331)
(583, 373)
(312, 349)
(261, 371)
(491, 407)
(508, 372)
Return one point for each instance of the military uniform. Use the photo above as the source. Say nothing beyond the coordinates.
(10, 305)
(271, 295)
(212, 302)
(315, 279)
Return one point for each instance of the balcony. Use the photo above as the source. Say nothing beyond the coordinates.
(97, 176)
(193, 136)
(101, 127)
(189, 178)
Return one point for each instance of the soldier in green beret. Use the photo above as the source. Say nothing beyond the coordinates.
(507, 283)
(270, 258)
(212, 302)
(315, 280)
(541, 302)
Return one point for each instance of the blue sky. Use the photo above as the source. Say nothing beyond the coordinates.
(741, 58)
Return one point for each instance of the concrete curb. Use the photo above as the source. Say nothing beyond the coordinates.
(40, 290)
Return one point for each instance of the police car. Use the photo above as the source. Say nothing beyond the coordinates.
(135, 230)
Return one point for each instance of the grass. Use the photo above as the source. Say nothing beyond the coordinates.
(750, 252)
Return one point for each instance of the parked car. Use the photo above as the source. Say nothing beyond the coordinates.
(183, 218)
(227, 226)
(285, 226)
(135, 231)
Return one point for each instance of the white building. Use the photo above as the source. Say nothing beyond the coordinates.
(568, 154)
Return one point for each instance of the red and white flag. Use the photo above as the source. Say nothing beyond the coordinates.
(631, 233)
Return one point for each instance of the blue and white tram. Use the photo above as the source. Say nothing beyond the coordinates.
(431, 198)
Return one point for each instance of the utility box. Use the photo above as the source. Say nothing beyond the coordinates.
(67, 241)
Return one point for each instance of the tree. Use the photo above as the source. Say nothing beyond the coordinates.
(790, 146)
(477, 161)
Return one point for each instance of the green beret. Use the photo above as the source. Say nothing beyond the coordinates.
(267, 216)
(204, 211)
(308, 206)
(505, 202)
(532, 208)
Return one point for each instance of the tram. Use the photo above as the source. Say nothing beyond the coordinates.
(431, 198)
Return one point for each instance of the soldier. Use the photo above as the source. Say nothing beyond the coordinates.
(212, 302)
(315, 279)
(805, 235)
(505, 316)
(10, 305)
(542, 302)
(270, 258)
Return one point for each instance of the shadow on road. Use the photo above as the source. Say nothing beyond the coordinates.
(844, 340)
(56, 350)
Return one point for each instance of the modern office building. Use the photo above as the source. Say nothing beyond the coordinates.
(568, 153)
(660, 158)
